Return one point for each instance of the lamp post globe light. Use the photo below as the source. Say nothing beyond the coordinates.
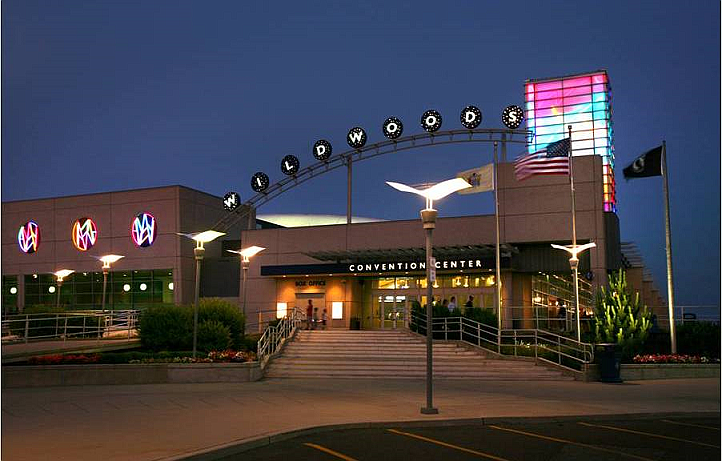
(199, 251)
(246, 255)
(428, 218)
(574, 250)
(60, 275)
(107, 260)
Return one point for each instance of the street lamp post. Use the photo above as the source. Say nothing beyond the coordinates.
(428, 218)
(107, 260)
(61, 274)
(574, 250)
(199, 251)
(246, 255)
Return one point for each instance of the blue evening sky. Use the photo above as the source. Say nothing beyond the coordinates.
(111, 95)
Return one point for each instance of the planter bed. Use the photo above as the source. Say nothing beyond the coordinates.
(639, 371)
(152, 373)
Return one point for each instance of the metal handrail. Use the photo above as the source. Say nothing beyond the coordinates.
(273, 338)
(540, 344)
(68, 325)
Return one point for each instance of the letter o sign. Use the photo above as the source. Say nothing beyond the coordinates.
(431, 121)
(393, 128)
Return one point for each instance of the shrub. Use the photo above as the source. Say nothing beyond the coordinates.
(699, 338)
(227, 314)
(250, 343)
(620, 318)
(213, 336)
(481, 315)
(166, 328)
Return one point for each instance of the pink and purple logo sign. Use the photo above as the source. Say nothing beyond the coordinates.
(29, 237)
(144, 230)
(85, 234)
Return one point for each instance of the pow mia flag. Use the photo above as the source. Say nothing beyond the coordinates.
(647, 164)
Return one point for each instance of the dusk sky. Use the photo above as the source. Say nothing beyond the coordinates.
(113, 95)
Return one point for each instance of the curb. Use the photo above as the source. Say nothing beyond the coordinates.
(219, 452)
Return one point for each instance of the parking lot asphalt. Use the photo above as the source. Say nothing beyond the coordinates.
(673, 437)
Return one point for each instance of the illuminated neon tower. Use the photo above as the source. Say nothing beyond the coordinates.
(584, 102)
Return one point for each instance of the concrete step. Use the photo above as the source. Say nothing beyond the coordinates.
(416, 375)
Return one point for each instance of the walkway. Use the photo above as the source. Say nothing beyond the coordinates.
(161, 422)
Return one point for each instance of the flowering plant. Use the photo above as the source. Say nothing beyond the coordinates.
(672, 358)
(230, 355)
(60, 359)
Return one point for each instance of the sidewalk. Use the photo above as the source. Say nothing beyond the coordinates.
(155, 422)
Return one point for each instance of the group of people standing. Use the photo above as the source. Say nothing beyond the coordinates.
(451, 305)
(312, 319)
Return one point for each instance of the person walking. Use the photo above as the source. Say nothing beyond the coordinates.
(470, 301)
(452, 304)
(324, 316)
(309, 314)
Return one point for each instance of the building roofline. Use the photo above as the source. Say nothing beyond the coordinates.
(170, 186)
(550, 79)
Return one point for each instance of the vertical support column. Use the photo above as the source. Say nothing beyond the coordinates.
(349, 168)
(668, 236)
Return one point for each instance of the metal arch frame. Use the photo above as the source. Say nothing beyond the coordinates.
(371, 151)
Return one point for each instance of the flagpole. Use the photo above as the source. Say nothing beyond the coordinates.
(668, 232)
(498, 252)
(575, 264)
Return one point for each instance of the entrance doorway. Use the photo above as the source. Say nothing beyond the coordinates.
(318, 300)
(390, 311)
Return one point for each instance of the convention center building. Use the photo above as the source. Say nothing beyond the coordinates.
(366, 274)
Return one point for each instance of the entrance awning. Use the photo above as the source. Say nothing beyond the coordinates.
(413, 254)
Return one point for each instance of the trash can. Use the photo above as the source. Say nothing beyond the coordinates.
(355, 323)
(609, 357)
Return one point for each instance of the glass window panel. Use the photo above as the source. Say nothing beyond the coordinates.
(405, 283)
(530, 106)
(600, 107)
(546, 103)
(580, 135)
(582, 126)
(545, 86)
(578, 108)
(600, 142)
(558, 119)
(544, 140)
(529, 115)
(546, 92)
(582, 152)
(600, 115)
(584, 99)
(599, 78)
(574, 118)
(578, 91)
(529, 88)
(577, 81)
(551, 129)
(600, 124)
(599, 97)
(598, 88)
(386, 283)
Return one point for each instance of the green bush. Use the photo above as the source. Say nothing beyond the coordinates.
(620, 318)
(213, 336)
(166, 328)
(699, 338)
(226, 313)
(250, 342)
(481, 315)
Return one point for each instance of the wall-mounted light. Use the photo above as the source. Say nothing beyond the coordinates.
(337, 310)
(170, 286)
(126, 287)
(281, 309)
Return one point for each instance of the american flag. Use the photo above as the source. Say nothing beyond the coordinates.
(553, 159)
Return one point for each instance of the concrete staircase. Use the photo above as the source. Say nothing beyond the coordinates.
(393, 354)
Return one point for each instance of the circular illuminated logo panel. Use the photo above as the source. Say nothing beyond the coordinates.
(471, 117)
(260, 181)
(144, 230)
(290, 165)
(29, 237)
(512, 117)
(231, 201)
(431, 121)
(356, 137)
(322, 149)
(393, 128)
(85, 234)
